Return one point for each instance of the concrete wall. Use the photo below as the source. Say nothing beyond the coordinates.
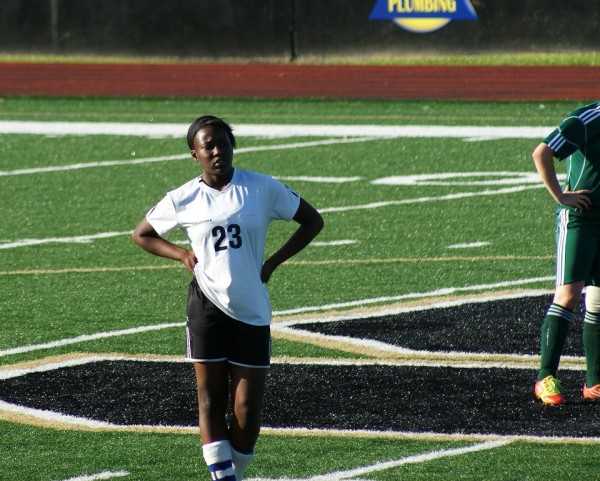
(216, 29)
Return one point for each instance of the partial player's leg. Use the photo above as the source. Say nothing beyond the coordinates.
(247, 393)
(206, 336)
(591, 343)
(573, 266)
(249, 358)
(212, 380)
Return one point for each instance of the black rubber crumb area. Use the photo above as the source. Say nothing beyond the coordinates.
(509, 326)
(373, 397)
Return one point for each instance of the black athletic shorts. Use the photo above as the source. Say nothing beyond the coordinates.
(213, 336)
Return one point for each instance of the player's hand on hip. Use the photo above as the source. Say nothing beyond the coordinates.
(267, 271)
(577, 199)
(189, 260)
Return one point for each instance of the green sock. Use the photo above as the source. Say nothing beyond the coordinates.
(554, 336)
(591, 343)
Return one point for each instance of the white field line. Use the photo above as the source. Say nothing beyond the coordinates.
(76, 422)
(99, 476)
(273, 130)
(394, 310)
(446, 291)
(344, 134)
(282, 326)
(415, 459)
(82, 239)
(52, 364)
(88, 337)
(325, 210)
(464, 360)
(341, 242)
(324, 180)
(418, 200)
(148, 160)
(469, 245)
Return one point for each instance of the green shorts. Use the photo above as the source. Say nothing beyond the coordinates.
(577, 248)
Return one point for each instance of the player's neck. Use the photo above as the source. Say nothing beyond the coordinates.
(218, 181)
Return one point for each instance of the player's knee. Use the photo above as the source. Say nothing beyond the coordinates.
(592, 299)
(568, 295)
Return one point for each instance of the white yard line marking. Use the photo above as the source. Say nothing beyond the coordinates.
(417, 458)
(470, 133)
(415, 295)
(74, 422)
(469, 245)
(388, 131)
(357, 133)
(89, 165)
(87, 337)
(343, 242)
(419, 200)
(374, 205)
(99, 476)
(33, 415)
(462, 178)
(61, 362)
(325, 180)
(281, 313)
(148, 160)
(82, 239)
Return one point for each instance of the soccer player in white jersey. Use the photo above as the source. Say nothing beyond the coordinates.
(576, 140)
(225, 214)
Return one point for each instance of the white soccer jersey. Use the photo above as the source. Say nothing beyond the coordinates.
(227, 231)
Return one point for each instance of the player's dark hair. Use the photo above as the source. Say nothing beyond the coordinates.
(205, 121)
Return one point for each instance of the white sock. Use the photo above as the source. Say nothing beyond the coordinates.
(218, 458)
(240, 462)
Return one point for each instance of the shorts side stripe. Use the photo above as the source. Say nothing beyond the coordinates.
(188, 343)
(561, 245)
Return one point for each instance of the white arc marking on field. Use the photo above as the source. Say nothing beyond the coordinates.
(418, 458)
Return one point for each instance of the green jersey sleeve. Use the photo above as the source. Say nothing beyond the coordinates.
(574, 133)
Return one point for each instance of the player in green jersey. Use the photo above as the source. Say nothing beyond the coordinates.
(576, 140)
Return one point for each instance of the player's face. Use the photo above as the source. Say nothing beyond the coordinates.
(213, 151)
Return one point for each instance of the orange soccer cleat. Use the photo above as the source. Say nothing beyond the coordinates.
(548, 391)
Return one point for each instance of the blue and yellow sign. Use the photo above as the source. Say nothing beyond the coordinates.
(423, 16)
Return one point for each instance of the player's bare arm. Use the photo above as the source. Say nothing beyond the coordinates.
(543, 158)
(148, 239)
(311, 224)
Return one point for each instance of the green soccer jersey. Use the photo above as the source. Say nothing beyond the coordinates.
(577, 139)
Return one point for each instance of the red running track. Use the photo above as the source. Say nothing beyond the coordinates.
(301, 81)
